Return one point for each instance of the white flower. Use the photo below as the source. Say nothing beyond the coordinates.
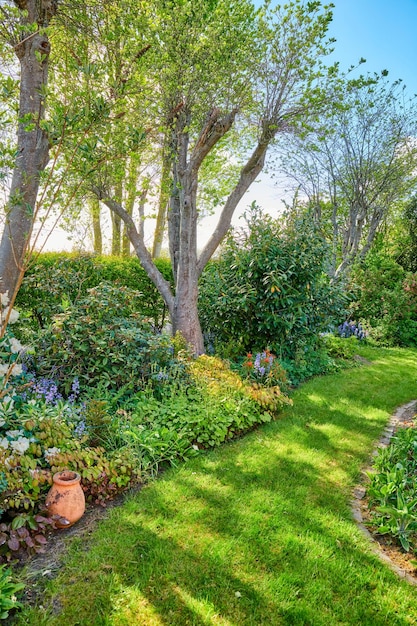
(4, 369)
(50, 453)
(17, 370)
(15, 345)
(14, 433)
(4, 443)
(20, 445)
(12, 369)
(4, 298)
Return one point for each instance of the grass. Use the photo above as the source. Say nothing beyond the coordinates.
(258, 532)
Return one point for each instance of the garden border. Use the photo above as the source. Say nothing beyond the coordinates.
(400, 418)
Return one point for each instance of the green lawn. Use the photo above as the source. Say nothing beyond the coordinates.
(258, 532)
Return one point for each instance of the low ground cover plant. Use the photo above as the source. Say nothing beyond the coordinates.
(8, 591)
(393, 490)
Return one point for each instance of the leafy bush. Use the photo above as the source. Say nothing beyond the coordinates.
(386, 300)
(8, 591)
(103, 343)
(55, 281)
(393, 489)
(309, 361)
(338, 347)
(39, 439)
(269, 288)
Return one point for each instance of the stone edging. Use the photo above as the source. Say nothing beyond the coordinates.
(401, 416)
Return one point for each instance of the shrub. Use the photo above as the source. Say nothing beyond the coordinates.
(386, 300)
(269, 288)
(217, 405)
(39, 439)
(338, 347)
(103, 343)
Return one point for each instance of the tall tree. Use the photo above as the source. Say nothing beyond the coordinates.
(23, 25)
(227, 77)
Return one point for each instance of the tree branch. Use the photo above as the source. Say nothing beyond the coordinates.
(142, 252)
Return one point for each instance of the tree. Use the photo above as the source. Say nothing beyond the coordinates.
(356, 163)
(23, 26)
(200, 85)
(227, 78)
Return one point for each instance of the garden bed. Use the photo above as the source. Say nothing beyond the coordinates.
(403, 563)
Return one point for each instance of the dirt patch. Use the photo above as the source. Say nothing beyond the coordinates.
(388, 551)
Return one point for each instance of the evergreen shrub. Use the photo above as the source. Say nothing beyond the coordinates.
(386, 300)
(269, 288)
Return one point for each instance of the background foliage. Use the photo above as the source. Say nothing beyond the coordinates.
(385, 299)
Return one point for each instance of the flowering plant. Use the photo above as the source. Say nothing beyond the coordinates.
(351, 329)
(264, 368)
(10, 347)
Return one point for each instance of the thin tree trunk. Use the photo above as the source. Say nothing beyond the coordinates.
(116, 240)
(131, 192)
(141, 209)
(163, 204)
(97, 234)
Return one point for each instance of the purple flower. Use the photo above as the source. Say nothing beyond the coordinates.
(80, 429)
(75, 388)
(46, 389)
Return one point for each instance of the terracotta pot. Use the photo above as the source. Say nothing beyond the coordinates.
(66, 497)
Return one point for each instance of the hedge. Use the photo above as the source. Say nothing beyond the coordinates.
(55, 279)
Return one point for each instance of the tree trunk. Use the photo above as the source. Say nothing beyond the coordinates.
(131, 192)
(32, 158)
(97, 234)
(185, 316)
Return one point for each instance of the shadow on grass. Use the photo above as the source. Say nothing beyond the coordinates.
(258, 532)
(205, 554)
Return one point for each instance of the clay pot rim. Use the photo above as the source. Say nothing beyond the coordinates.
(66, 478)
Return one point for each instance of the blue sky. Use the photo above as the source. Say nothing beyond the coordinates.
(381, 31)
